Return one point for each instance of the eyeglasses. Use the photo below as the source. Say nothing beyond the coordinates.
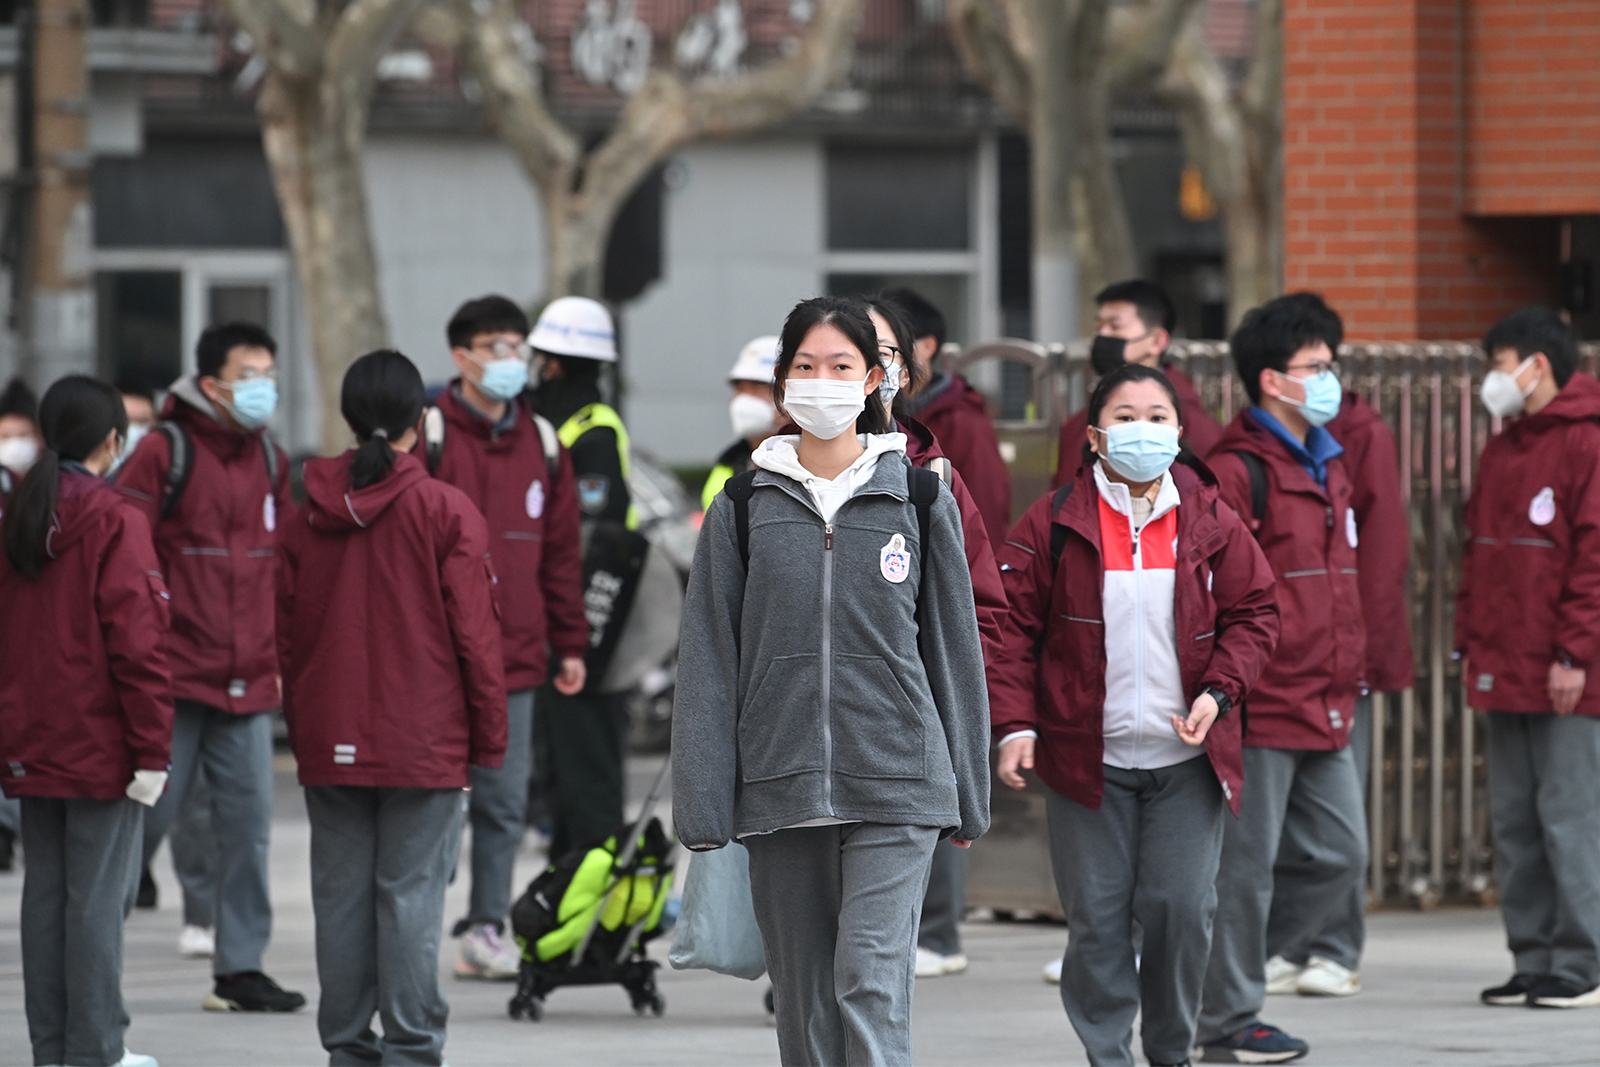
(250, 374)
(1329, 366)
(889, 351)
(503, 349)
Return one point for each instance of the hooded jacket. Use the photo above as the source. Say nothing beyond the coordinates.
(218, 549)
(1051, 674)
(955, 413)
(834, 679)
(1305, 699)
(1384, 550)
(388, 633)
(1530, 567)
(1200, 431)
(533, 533)
(86, 696)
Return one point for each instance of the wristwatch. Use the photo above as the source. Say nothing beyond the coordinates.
(1223, 702)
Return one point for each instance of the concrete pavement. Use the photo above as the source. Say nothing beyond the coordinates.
(1421, 976)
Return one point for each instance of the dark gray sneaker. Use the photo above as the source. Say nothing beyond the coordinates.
(251, 991)
(1256, 1043)
(1514, 993)
(1555, 992)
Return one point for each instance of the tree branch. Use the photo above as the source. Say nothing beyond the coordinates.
(360, 35)
(284, 33)
(988, 52)
(1140, 40)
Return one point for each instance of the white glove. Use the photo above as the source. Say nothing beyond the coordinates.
(147, 787)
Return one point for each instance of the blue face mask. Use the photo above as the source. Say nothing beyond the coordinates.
(1323, 397)
(1140, 451)
(503, 379)
(253, 401)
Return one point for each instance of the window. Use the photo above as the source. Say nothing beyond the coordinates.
(900, 199)
(141, 326)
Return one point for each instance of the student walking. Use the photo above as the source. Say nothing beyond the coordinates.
(486, 441)
(1142, 613)
(1280, 469)
(85, 719)
(1528, 622)
(831, 711)
(394, 686)
(215, 489)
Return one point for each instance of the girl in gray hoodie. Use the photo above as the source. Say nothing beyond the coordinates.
(831, 711)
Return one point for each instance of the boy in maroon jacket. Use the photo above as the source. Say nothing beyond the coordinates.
(1281, 471)
(490, 445)
(1528, 622)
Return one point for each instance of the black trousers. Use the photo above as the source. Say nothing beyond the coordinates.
(579, 742)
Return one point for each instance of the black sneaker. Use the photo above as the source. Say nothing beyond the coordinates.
(1256, 1043)
(147, 890)
(1514, 993)
(1552, 992)
(251, 991)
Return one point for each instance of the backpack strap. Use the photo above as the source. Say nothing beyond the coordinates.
(940, 466)
(1058, 531)
(922, 486)
(551, 441)
(269, 454)
(739, 489)
(1257, 472)
(181, 448)
(433, 437)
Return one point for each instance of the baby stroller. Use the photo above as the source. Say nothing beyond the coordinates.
(588, 917)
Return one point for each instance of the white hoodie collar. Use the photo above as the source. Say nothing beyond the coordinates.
(781, 455)
(1120, 497)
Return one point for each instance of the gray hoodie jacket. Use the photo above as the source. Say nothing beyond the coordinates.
(801, 690)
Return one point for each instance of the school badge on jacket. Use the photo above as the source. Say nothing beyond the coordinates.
(1542, 510)
(893, 561)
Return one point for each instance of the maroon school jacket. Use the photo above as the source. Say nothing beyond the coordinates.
(388, 633)
(1305, 699)
(1200, 431)
(1530, 569)
(218, 550)
(965, 432)
(987, 592)
(86, 696)
(1372, 461)
(533, 534)
(1050, 675)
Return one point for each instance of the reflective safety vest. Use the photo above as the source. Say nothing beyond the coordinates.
(602, 417)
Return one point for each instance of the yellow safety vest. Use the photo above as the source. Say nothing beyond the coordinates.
(714, 482)
(598, 417)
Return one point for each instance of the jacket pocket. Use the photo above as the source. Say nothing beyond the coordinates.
(877, 730)
(780, 726)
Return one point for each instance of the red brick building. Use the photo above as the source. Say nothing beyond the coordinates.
(1442, 160)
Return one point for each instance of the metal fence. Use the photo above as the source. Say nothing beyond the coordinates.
(1428, 798)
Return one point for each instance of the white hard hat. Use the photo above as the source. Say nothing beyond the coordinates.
(576, 326)
(756, 361)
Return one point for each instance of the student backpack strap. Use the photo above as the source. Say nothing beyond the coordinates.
(549, 438)
(739, 489)
(1257, 472)
(1058, 531)
(922, 487)
(181, 447)
(269, 454)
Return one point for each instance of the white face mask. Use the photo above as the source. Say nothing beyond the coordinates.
(136, 432)
(751, 416)
(18, 454)
(1502, 396)
(823, 407)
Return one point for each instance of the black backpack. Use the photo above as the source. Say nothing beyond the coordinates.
(181, 446)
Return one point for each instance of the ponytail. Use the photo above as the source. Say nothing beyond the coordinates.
(75, 416)
(382, 398)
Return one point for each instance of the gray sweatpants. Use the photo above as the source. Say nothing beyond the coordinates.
(83, 871)
(1344, 934)
(498, 808)
(1148, 856)
(838, 908)
(1296, 803)
(237, 753)
(380, 860)
(194, 853)
(945, 900)
(1544, 803)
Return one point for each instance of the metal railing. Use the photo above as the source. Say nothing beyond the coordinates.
(1428, 796)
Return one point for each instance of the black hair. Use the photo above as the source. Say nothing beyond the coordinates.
(574, 368)
(382, 398)
(1151, 302)
(129, 387)
(74, 418)
(1536, 329)
(211, 351)
(1271, 334)
(926, 319)
(850, 318)
(487, 314)
(18, 399)
(1116, 379)
(905, 339)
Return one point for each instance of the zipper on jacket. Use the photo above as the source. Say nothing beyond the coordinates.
(1138, 643)
(1330, 517)
(827, 666)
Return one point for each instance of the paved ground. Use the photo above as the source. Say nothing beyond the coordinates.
(1422, 974)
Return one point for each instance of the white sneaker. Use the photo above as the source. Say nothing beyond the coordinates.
(1282, 976)
(197, 942)
(931, 964)
(487, 956)
(134, 1059)
(1052, 971)
(1324, 978)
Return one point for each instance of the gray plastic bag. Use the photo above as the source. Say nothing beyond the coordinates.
(716, 930)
